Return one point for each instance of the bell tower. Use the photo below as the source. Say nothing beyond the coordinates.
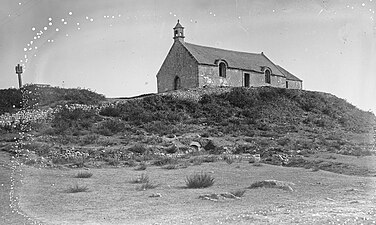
(179, 32)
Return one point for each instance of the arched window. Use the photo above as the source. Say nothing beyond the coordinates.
(267, 77)
(177, 83)
(222, 69)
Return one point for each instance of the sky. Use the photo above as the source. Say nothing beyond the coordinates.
(116, 47)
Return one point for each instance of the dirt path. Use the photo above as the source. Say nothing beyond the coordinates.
(9, 209)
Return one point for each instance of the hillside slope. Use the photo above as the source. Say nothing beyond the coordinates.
(286, 127)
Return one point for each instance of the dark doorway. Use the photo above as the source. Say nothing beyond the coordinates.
(246, 80)
(177, 83)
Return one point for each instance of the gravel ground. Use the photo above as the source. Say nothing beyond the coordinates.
(9, 209)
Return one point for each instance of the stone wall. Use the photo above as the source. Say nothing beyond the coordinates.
(177, 63)
(208, 76)
(292, 84)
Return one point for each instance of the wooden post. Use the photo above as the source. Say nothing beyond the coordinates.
(19, 72)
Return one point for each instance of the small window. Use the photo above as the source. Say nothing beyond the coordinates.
(267, 76)
(246, 80)
(222, 69)
(287, 84)
(176, 33)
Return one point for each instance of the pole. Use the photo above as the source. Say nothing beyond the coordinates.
(19, 80)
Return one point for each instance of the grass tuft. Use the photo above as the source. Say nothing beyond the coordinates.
(84, 175)
(145, 186)
(171, 167)
(143, 178)
(228, 159)
(77, 188)
(142, 166)
(199, 180)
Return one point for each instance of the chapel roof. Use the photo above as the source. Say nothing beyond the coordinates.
(234, 59)
(288, 75)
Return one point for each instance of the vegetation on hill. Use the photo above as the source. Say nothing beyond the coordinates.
(283, 126)
(10, 100)
(241, 111)
(32, 95)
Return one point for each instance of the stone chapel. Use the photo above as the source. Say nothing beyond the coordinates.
(193, 66)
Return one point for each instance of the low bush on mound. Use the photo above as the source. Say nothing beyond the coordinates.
(77, 188)
(84, 175)
(199, 180)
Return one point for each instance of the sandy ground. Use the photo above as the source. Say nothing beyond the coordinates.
(10, 212)
(318, 198)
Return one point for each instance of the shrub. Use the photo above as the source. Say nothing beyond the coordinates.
(196, 161)
(228, 159)
(199, 180)
(172, 149)
(112, 161)
(45, 95)
(240, 97)
(10, 100)
(170, 167)
(165, 161)
(210, 158)
(84, 175)
(130, 163)
(138, 148)
(110, 127)
(68, 121)
(143, 178)
(111, 111)
(142, 166)
(77, 188)
(89, 139)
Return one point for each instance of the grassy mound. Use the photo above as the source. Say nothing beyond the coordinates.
(31, 96)
(280, 125)
(240, 110)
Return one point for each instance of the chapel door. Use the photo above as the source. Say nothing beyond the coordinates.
(177, 83)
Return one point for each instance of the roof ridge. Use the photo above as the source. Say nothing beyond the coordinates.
(228, 50)
(290, 75)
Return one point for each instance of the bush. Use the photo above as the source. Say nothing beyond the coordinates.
(172, 149)
(143, 178)
(111, 111)
(67, 121)
(241, 97)
(228, 159)
(142, 166)
(10, 100)
(170, 167)
(110, 127)
(76, 188)
(138, 148)
(165, 161)
(199, 180)
(84, 175)
(37, 95)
